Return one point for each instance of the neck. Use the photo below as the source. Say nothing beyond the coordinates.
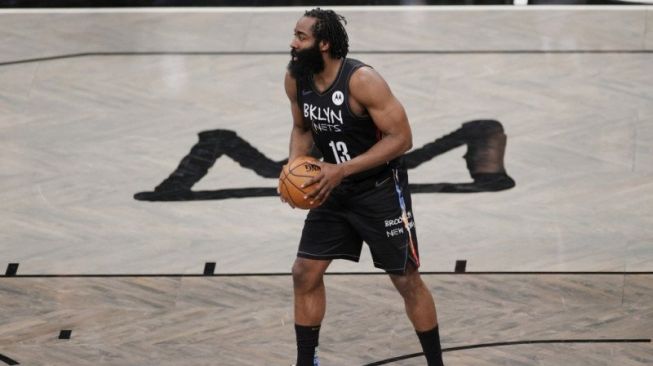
(329, 74)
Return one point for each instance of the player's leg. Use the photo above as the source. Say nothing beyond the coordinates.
(326, 236)
(384, 219)
(420, 309)
(308, 286)
(310, 306)
(420, 306)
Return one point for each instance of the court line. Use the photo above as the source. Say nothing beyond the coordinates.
(269, 53)
(501, 344)
(286, 274)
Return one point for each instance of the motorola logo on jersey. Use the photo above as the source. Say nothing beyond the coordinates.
(337, 98)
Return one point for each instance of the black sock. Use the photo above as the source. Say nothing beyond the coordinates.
(430, 341)
(307, 340)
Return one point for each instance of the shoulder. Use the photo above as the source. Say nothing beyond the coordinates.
(366, 83)
(364, 74)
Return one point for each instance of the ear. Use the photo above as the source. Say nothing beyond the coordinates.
(324, 46)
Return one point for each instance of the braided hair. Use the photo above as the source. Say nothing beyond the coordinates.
(330, 27)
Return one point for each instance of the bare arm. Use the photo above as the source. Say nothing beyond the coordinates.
(369, 89)
(301, 139)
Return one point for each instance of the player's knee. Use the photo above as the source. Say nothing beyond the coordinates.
(305, 276)
(402, 283)
(409, 285)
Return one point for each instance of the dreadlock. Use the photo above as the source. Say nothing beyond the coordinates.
(330, 27)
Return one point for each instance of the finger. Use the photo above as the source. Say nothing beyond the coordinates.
(313, 180)
(324, 193)
(316, 193)
(326, 197)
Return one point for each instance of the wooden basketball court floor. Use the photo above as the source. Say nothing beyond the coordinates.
(96, 106)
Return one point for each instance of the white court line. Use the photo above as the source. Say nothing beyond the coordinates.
(296, 9)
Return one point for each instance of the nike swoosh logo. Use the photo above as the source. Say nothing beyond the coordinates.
(306, 92)
(381, 182)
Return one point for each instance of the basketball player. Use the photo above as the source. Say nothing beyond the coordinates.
(347, 110)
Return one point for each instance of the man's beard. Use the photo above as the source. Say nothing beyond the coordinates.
(308, 62)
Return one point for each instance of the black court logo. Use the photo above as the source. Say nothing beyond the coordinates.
(485, 141)
(337, 97)
(8, 360)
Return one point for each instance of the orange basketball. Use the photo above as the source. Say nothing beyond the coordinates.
(293, 176)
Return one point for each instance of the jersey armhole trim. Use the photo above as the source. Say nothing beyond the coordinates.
(347, 104)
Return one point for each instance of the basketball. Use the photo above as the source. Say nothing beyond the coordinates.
(293, 175)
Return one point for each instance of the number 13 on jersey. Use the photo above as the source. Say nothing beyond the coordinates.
(340, 151)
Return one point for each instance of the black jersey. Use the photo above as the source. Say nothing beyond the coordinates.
(338, 133)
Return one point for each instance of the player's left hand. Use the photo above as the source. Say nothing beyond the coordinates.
(329, 178)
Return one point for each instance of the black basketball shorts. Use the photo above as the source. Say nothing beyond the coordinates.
(377, 211)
